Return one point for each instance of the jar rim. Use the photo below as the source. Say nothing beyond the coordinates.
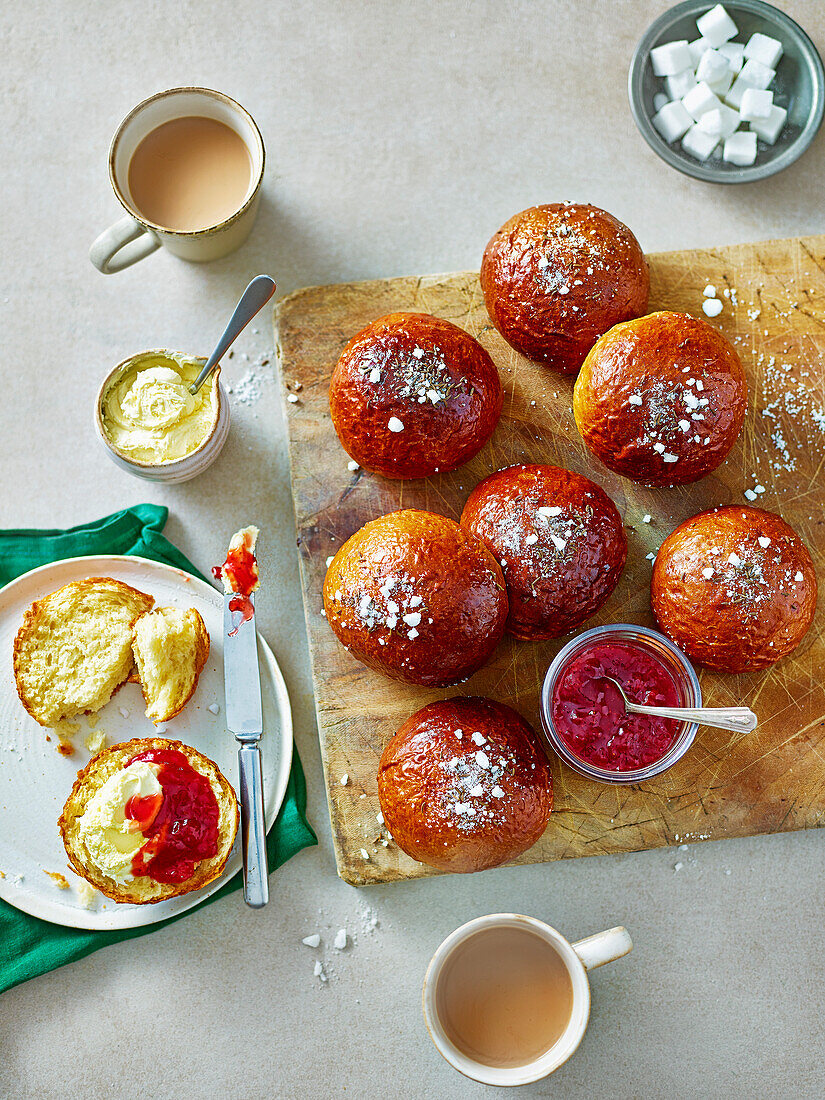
(661, 646)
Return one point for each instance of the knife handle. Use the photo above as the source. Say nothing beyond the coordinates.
(253, 831)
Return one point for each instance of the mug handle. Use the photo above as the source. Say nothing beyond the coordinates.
(122, 245)
(604, 947)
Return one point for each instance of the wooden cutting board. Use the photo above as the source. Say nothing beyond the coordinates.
(727, 785)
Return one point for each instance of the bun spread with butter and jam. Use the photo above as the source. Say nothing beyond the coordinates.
(465, 785)
(414, 395)
(661, 399)
(555, 277)
(734, 588)
(149, 820)
(559, 541)
(416, 597)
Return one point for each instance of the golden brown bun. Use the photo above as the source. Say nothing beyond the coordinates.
(661, 399)
(749, 612)
(144, 890)
(463, 803)
(552, 586)
(556, 277)
(429, 374)
(424, 566)
(74, 648)
(170, 648)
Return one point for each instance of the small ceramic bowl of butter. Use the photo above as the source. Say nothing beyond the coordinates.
(152, 426)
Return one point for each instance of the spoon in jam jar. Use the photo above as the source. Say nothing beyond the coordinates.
(739, 719)
(252, 301)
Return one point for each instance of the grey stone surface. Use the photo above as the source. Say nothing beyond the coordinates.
(399, 136)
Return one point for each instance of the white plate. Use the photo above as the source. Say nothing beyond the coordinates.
(35, 780)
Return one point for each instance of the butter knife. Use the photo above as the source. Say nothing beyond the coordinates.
(244, 718)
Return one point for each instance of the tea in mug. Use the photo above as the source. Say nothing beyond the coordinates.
(190, 173)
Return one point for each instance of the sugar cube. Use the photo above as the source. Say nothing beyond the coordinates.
(712, 66)
(659, 100)
(700, 100)
(735, 53)
(755, 104)
(757, 75)
(740, 148)
(699, 143)
(722, 121)
(672, 121)
(697, 48)
(771, 127)
(761, 47)
(720, 87)
(716, 26)
(671, 58)
(680, 84)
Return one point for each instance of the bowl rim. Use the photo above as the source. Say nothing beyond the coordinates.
(680, 745)
(177, 464)
(700, 170)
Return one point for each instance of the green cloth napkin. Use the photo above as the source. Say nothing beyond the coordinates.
(30, 946)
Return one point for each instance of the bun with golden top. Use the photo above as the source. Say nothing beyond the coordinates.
(465, 785)
(661, 399)
(559, 541)
(413, 395)
(555, 277)
(735, 588)
(416, 597)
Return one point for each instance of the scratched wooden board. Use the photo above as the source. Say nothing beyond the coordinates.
(727, 785)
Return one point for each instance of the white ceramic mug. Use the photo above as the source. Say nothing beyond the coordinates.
(134, 236)
(578, 957)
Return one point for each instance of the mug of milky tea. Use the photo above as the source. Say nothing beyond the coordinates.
(507, 999)
(187, 166)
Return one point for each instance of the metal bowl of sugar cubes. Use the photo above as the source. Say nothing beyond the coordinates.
(727, 93)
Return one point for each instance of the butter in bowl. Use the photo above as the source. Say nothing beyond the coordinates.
(152, 425)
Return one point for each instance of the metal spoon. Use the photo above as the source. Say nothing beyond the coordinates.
(740, 719)
(253, 299)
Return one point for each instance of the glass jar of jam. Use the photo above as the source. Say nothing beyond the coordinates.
(583, 714)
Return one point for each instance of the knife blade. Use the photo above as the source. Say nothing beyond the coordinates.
(244, 719)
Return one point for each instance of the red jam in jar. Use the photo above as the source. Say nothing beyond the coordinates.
(181, 828)
(589, 713)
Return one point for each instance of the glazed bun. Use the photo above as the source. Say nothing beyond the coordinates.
(412, 395)
(734, 588)
(556, 277)
(416, 597)
(559, 541)
(465, 785)
(661, 399)
(201, 821)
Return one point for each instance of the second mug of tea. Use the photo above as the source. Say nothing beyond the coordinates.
(187, 165)
(506, 998)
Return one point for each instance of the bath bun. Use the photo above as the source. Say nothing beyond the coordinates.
(465, 785)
